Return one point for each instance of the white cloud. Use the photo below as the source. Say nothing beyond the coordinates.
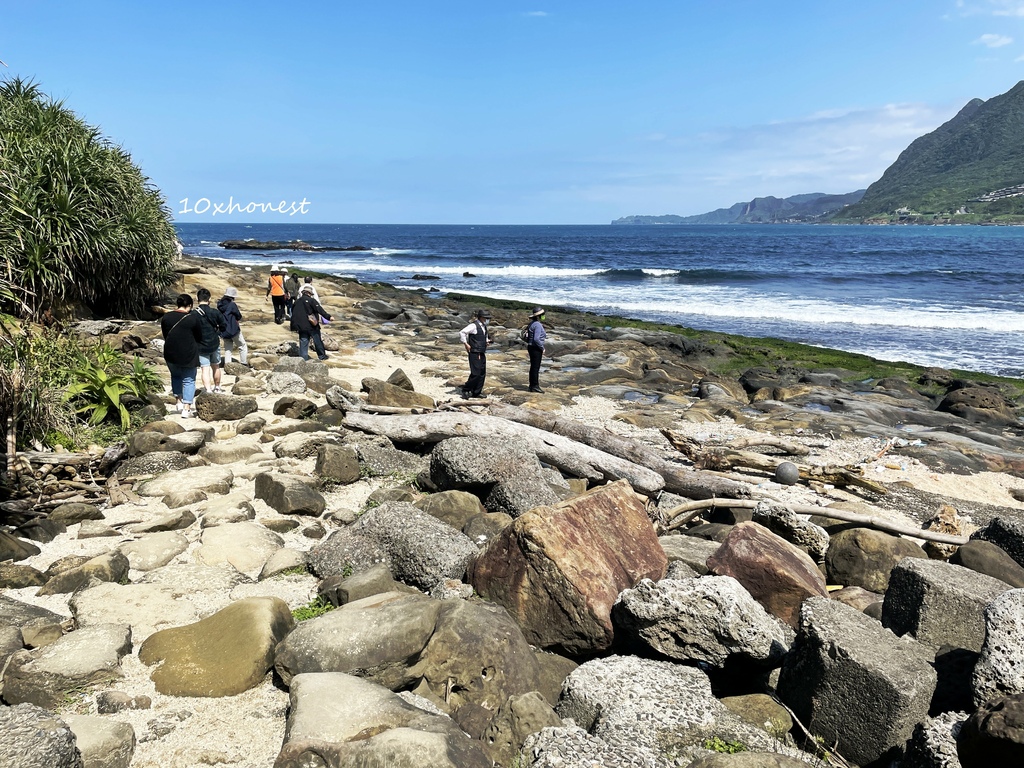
(536, 13)
(993, 41)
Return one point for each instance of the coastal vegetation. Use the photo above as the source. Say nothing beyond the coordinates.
(79, 222)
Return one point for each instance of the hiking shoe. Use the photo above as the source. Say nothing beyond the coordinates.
(186, 413)
(538, 390)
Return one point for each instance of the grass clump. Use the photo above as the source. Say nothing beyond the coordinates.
(318, 606)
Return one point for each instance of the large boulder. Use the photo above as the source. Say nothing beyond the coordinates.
(516, 719)
(245, 546)
(110, 566)
(854, 683)
(1007, 534)
(558, 570)
(1000, 668)
(455, 508)
(104, 743)
(337, 464)
(77, 660)
(994, 735)
(939, 603)
(382, 393)
(784, 522)
(863, 557)
(222, 655)
(777, 574)
(153, 550)
(146, 608)
(711, 620)
(420, 549)
(472, 462)
(289, 494)
(569, 746)
(985, 557)
(211, 406)
(340, 720)
(933, 744)
(983, 405)
(689, 550)
(206, 479)
(656, 707)
(32, 737)
(520, 494)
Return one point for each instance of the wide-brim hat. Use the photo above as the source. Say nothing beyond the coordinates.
(307, 288)
(231, 292)
(537, 312)
(484, 314)
(275, 268)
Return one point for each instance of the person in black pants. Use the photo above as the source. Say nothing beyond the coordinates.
(535, 338)
(306, 314)
(474, 339)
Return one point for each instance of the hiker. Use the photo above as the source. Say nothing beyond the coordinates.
(535, 338)
(291, 290)
(307, 314)
(182, 336)
(277, 293)
(474, 339)
(232, 333)
(212, 326)
(308, 280)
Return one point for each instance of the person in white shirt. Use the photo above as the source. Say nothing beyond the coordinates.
(474, 339)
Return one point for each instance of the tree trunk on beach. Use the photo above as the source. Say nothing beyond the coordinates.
(693, 484)
(574, 458)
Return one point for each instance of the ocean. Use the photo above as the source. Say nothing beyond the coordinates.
(944, 296)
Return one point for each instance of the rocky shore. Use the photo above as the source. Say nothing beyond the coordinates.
(654, 562)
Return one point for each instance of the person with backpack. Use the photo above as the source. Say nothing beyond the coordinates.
(291, 291)
(277, 293)
(212, 325)
(474, 339)
(306, 318)
(182, 336)
(535, 336)
(232, 333)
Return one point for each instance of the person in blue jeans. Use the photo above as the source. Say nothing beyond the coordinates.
(182, 337)
(306, 317)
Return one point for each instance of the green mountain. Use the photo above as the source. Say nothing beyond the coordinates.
(815, 206)
(970, 169)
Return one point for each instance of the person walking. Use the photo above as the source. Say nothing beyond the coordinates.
(536, 336)
(291, 290)
(232, 333)
(212, 327)
(182, 336)
(474, 339)
(277, 293)
(306, 317)
(308, 280)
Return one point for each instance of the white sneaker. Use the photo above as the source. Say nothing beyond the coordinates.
(178, 406)
(186, 413)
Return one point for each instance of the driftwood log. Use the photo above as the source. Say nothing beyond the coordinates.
(722, 458)
(680, 480)
(682, 514)
(574, 458)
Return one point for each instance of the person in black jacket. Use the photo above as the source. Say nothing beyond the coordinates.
(306, 315)
(474, 338)
(232, 333)
(212, 326)
(182, 336)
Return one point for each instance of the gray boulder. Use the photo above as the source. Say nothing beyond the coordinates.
(656, 707)
(379, 457)
(206, 479)
(337, 464)
(1000, 668)
(862, 557)
(245, 546)
(570, 746)
(516, 719)
(465, 462)
(518, 495)
(939, 603)
(689, 550)
(421, 550)
(711, 619)
(289, 495)
(110, 566)
(456, 508)
(749, 760)
(985, 557)
(1007, 534)
(32, 737)
(346, 552)
(151, 464)
(301, 445)
(854, 683)
(284, 382)
(154, 550)
(104, 743)
(79, 659)
(784, 522)
(212, 406)
(933, 744)
(340, 590)
(339, 720)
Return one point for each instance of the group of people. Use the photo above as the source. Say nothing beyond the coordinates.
(194, 331)
(193, 334)
(475, 339)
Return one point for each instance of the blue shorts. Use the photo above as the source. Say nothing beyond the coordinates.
(209, 357)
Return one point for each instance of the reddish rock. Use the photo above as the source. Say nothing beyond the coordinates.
(778, 575)
(557, 570)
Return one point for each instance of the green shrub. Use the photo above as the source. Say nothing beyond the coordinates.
(318, 606)
(78, 220)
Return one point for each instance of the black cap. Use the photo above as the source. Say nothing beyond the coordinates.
(484, 314)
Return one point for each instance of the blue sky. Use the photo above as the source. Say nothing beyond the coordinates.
(509, 112)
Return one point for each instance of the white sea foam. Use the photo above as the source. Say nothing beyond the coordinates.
(661, 272)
